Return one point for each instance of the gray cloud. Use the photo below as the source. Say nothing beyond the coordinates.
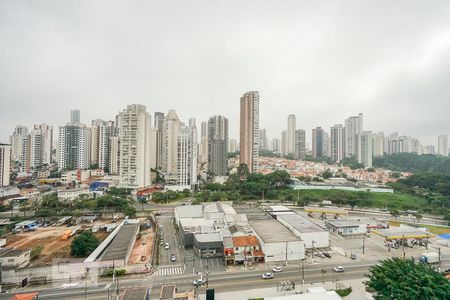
(320, 60)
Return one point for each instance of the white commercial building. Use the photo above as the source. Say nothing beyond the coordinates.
(134, 132)
(311, 234)
(5, 164)
(348, 226)
(278, 243)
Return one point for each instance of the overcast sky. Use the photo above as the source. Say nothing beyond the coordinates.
(320, 60)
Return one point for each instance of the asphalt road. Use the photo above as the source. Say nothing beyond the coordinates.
(171, 238)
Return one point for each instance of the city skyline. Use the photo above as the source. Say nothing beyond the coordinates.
(78, 58)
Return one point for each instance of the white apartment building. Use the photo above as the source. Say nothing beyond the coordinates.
(101, 132)
(16, 140)
(5, 164)
(290, 135)
(337, 143)
(134, 128)
(114, 155)
(443, 145)
(365, 148)
(180, 152)
(74, 147)
(47, 138)
(353, 127)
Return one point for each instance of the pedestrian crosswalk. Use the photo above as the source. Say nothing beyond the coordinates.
(169, 271)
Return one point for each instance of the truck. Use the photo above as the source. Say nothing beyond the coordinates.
(429, 258)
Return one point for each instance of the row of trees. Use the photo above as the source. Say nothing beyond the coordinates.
(115, 199)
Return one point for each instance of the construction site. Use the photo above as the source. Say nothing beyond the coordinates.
(121, 243)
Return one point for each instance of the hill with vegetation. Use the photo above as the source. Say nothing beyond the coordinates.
(409, 162)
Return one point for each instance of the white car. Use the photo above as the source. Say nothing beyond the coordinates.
(173, 258)
(166, 246)
(339, 269)
(199, 282)
(267, 276)
(277, 269)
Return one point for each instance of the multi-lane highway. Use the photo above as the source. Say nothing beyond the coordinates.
(223, 281)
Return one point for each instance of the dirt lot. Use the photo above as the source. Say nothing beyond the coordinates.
(143, 247)
(50, 239)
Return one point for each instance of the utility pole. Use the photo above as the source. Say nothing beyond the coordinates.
(303, 273)
(439, 251)
(403, 246)
(286, 253)
(364, 246)
(207, 271)
(313, 250)
(117, 288)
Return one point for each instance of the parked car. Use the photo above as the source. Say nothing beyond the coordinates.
(267, 275)
(327, 254)
(277, 269)
(353, 256)
(320, 254)
(161, 242)
(166, 246)
(199, 282)
(173, 257)
(339, 269)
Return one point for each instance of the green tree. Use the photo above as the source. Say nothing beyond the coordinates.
(129, 211)
(243, 171)
(404, 279)
(84, 244)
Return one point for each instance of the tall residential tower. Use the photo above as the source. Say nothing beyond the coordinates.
(249, 130)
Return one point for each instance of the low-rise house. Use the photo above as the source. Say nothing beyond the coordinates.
(13, 258)
(247, 249)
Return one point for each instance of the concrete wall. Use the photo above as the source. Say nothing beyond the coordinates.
(276, 252)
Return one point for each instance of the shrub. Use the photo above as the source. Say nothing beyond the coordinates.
(344, 292)
(36, 251)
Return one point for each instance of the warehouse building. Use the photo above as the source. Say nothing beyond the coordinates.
(311, 234)
(277, 242)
